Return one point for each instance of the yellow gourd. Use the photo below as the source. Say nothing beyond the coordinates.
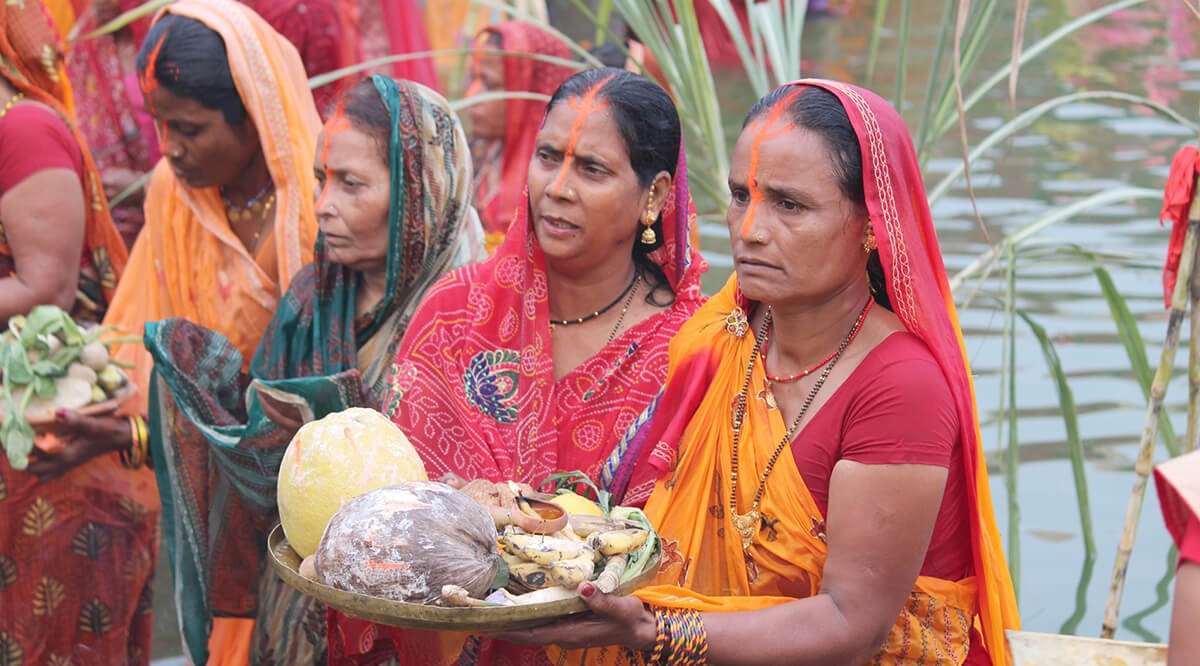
(333, 460)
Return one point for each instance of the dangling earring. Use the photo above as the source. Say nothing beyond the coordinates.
(869, 245)
(648, 235)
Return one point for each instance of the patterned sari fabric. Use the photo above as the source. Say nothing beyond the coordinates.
(99, 517)
(704, 566)
(221, 460)
(500, 177)
(109, 106)
(474, 390)
(396, 27)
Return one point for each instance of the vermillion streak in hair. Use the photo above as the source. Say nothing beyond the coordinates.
(768, 126)
(336, 124)
(584, 107)
(148, 82)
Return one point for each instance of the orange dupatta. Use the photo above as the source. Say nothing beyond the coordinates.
(188, 262)
(703, 566)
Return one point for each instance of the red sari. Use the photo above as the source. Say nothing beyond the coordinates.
(474, 390)
(501, 180)
(396, 27)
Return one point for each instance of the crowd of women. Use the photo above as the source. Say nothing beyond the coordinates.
(521, 301)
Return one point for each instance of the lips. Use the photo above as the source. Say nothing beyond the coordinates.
(557, 223)
(753, 262)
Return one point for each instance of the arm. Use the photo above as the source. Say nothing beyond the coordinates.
(44, 219)
(1185, 616)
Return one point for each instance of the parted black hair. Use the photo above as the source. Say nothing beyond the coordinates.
(820, 111)
(190, 61)
(649, 124)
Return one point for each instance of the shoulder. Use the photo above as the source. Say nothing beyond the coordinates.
(33, 138)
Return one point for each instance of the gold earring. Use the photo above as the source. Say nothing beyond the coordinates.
(648, 235)
(869, 245)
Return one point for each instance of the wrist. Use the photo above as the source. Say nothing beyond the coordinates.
(645, 632)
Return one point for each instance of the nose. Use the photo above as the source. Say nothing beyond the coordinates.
(323, 206)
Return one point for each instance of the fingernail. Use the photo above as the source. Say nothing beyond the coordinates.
(60, 413)
(586, 590)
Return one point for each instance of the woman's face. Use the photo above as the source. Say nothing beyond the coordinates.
(353, 192)
(202, 148)
(584, 198)
(487, 118)
(795, 235)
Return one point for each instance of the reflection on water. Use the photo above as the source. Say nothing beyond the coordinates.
(1077, 151)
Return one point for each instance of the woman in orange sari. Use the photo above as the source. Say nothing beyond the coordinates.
(78, 532)
(502, 132)
(824, 497)
(229, 222)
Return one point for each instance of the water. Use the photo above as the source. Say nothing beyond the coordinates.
(1079, 150)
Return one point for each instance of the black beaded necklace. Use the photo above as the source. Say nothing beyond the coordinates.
(597, 313)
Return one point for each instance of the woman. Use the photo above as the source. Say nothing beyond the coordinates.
(229, 220)
(1178, 485)
(503, 131)
(394, 212)
(550, 356)
(59, 527)
(827, 501)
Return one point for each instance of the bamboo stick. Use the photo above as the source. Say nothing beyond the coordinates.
(1193, 414)
(1158, 393)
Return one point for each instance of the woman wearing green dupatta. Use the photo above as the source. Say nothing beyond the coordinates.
(394, 211)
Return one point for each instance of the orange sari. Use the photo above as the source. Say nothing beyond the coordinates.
(188, 262)
(704, 567)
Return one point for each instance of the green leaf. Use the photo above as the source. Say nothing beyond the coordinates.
(1066, 403)
(16, 366)
(501, 579)
(47, 368)
(44, 387)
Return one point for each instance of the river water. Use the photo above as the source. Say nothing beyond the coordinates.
(1079, 150)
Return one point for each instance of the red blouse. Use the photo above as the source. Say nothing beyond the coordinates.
(895, 408)
(1189, 546)
(33, 138)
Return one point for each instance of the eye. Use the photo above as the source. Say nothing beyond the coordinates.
(187, 131)
(544, 156)
(739, 196)
(790, 206)
(593, 169)
(320, 176)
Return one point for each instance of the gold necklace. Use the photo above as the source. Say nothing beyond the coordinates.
(12, 102)
(745, 523)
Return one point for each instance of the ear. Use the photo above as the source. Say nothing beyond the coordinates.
(660, 189)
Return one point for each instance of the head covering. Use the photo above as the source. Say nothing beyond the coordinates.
(705, 355)
(474, 390)
(31, 59)
(310, 351)
(500, 195)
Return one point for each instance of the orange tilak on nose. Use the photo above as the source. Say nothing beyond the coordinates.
(584, 107)
(772, 125)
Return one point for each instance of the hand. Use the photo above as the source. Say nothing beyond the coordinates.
(614, 620)
(117, 179)
(79, 439)
(282, 414)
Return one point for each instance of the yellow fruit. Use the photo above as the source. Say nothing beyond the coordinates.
(618, 542)
(544, 549)
(577, 504)
(570, 573)
(333, 460)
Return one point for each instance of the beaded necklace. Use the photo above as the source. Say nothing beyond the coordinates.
(8, 107)
(597, 313)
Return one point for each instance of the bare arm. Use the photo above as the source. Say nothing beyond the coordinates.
(44, 218)
(1185, 616)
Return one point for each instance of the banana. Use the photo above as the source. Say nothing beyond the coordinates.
(570, 573)
(618, 542)
(585, 525)
(543, 549)
(527, 576)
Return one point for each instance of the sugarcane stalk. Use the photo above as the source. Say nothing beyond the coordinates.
(1158, 393)
(1193, 414)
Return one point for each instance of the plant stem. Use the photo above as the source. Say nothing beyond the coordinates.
(1012, 455)
(1145, 460)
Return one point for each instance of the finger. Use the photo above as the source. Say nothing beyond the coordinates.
(46, 470)
(453, 480)
(612, 606)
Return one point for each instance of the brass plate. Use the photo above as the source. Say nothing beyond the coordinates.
(421, 616)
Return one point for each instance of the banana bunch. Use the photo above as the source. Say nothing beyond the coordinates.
(566, 558)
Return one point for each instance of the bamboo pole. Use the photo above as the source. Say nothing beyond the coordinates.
(1158, 393)
(1193, 414)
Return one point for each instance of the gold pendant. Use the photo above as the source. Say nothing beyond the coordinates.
(736, 323)
(745, 524)
(767, 395)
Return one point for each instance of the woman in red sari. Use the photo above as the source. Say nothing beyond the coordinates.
(502, 131)
(1178, 485)
(836, 511)
(550, 356)
(396, 27)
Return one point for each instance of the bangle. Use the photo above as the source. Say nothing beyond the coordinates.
(135, 456)
(662, 636)
(687, 637)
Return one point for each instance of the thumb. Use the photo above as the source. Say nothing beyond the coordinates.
(70, 420)
(612, 606)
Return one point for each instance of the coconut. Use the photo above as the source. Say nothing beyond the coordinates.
(94, 355)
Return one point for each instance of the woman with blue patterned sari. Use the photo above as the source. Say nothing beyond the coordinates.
(393, 207)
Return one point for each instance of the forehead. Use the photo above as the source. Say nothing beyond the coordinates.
(344, 146)
(589, 126)
(782, 154)
(165, 104)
